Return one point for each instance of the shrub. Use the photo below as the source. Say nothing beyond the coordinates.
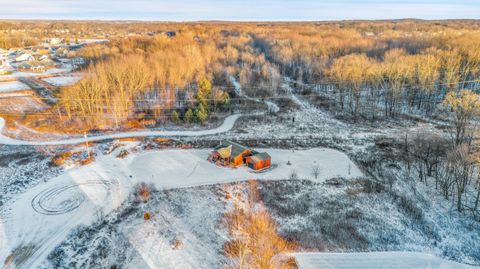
(177, 244)
(60, 158)
(88, 160)
(143, 191)
(123, 153)
(146, 216)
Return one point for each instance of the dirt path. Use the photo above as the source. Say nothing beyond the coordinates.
(226, 126)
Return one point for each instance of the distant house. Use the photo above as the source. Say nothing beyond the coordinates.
(78, 61)
(24, 66)
(38, 68)
(368, 34)
(55, 41)
(229, 153)
(25, 57)
(33, 66)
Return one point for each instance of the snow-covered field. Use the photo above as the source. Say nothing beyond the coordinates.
(63, 81)
(12, 86)
(375, 260)
(41, 218)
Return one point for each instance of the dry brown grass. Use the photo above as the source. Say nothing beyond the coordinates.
(60, 158)
(88, 160)
(160, 140)
(123, 153)
(255, 242)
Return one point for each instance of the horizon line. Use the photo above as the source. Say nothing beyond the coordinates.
(239, 21)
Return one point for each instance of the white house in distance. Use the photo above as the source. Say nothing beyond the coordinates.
(78, 61)
(55, 41)
(24, 57)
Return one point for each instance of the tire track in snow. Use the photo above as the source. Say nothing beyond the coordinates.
(63, 199)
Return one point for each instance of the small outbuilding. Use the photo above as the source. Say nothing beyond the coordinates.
(258, 161)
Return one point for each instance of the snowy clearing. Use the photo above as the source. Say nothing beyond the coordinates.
(225, 127)
(12, 86)
(63, 81)
(375, 260)
(44, 215)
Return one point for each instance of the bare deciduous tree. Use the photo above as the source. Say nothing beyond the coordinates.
(316, 171)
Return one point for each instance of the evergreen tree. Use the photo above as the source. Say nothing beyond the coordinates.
(226, 100)
(175, 117)
(201, 113)
(188, 116)
(204, 92)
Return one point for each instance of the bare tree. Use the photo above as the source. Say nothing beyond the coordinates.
(316, 171)
(461, 164)
(427, 150)
(465, 107)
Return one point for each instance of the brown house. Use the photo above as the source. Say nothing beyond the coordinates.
(229, 153)
(258, 161)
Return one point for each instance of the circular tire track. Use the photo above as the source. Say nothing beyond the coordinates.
(62, 199)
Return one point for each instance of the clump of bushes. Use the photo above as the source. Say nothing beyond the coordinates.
(90, 159)
(146, 216)
(143, 191)
(60, 158)
(177, 244)
(123, 153)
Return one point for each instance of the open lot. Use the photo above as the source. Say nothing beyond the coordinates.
(55, 208)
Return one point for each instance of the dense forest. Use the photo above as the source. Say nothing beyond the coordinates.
(181, 71)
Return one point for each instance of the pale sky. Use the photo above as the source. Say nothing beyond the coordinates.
(241, 10)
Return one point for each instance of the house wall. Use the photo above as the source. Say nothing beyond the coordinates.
(238, 160)
(259, 165)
